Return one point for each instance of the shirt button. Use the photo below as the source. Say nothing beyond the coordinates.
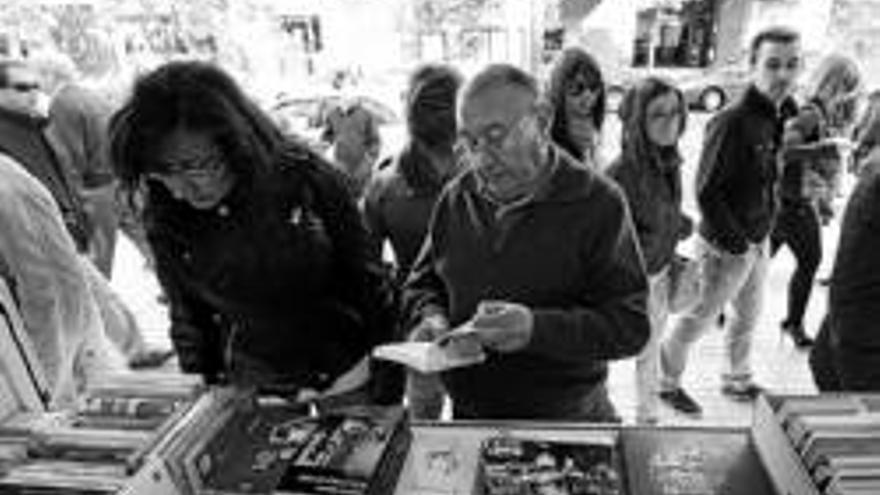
(223, 211)
(217, 318)
(187, 256)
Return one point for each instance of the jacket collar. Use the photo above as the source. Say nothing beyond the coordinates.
(569, 181)
(22, 119)
(757, 101)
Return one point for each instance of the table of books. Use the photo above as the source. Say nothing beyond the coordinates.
(525, 458)
(226, 442)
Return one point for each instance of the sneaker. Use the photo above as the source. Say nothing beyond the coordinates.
(742, 392)
(679, 400)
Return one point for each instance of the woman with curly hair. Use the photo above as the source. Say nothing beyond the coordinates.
(653, 116)
(258, 245)
(576, 93)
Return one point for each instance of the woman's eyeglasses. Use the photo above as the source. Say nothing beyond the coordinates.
(23, 87)
(200, 168)
(668, 116)
(577, 87)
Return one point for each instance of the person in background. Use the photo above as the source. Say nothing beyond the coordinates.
(576, 92)
(23, 124)
(48, 279)
(353, 133)
(653, 115)
(24, 136)
(846, 356)
(736, 193)
(258, 244)
(535, 252)
(811, 159)
(869, 111)
(402, 194)
(78, 128)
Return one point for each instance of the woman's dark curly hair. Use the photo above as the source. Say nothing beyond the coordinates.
(196, 96)
(571, 62)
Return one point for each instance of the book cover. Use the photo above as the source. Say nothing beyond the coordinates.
(516, 466)
(427, 357)
(356, 452)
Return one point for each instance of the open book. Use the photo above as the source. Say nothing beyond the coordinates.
(453, 350)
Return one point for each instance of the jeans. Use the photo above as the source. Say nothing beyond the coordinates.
(798, 227)
(737, 279)
(424, 394)
(648, 362)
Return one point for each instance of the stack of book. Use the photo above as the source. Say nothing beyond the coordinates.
(516, 466)
(281, 450)
(98, 445)
(837, 438)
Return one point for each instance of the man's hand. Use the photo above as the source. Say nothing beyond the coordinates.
(430, 328)
(503, 326)
(844, 145)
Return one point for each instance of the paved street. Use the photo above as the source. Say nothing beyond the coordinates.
(778, 365)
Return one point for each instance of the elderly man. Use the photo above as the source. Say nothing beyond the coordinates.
(538, 254)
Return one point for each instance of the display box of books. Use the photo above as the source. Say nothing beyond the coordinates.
(94, 447)
(821, 444)
(521, 458)
(99, 444)
(262, 446)
(513, 465)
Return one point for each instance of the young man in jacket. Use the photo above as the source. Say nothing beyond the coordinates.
(736, 184)
(538, 254)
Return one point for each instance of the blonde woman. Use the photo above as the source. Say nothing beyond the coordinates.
(811, 163)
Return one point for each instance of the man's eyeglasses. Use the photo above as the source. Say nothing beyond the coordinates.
(23, 87)
(578, 85)
(494, 136)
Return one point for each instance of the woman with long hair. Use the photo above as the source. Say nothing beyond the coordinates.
(811, 164)
(258, 245)
(653, 116)
(576, 93)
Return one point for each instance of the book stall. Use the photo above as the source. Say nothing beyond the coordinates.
(159, 434)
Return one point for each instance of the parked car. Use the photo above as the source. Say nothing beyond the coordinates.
(711, 89)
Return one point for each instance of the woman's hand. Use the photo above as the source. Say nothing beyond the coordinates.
(353, 379)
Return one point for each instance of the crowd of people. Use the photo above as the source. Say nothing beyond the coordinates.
(500, 216)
